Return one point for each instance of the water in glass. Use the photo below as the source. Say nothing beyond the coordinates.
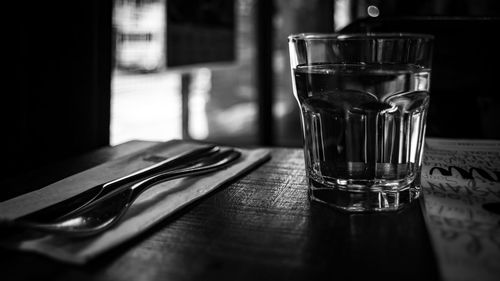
(363, 126)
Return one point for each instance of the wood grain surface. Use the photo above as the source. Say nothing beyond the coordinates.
(260, 227)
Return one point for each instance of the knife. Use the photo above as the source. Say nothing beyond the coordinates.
(80, 200)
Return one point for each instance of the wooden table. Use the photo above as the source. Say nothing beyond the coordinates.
(260, 227)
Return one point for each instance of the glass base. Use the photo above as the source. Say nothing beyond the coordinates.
(368, 199)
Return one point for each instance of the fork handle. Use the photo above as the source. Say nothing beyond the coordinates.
(80, 201)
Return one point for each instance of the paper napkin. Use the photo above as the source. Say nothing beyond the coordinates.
(151, 207)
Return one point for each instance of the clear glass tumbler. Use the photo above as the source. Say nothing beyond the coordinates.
(363, 101)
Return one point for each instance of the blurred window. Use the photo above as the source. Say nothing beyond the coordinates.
(147, 96)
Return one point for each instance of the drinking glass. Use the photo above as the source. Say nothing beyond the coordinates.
(363, 100)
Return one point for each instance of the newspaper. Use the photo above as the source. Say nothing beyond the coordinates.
(461, 187)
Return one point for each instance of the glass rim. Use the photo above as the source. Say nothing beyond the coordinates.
(359, 36)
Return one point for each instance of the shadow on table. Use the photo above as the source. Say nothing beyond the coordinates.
(378, 246)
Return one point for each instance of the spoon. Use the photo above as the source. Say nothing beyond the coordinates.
(105, 212)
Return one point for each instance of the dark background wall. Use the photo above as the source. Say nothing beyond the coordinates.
(465, 100)
(56, 94)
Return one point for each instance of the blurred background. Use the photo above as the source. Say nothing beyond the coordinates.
(223, 97)
(82, 75)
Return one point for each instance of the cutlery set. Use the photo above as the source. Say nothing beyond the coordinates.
(101, 207)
